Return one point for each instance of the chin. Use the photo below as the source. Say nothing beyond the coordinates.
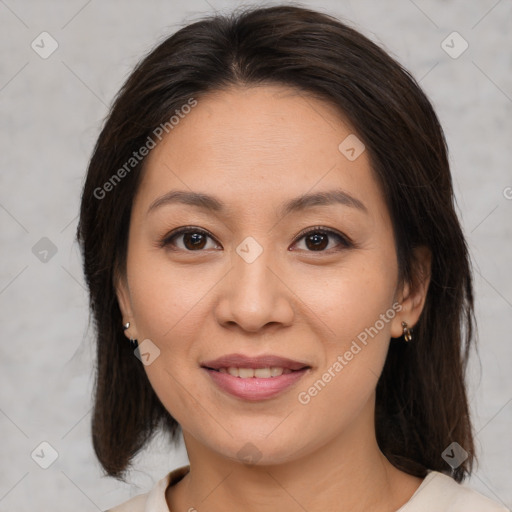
(259, 451)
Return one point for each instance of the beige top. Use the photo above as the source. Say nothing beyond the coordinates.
(437, 493)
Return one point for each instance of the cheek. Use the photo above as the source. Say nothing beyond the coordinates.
(343, 387)
(170, 304)
(166, 296)
(349, 299)
(353, 307)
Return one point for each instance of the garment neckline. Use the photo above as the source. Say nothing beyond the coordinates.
(431, 474)
(174, 476)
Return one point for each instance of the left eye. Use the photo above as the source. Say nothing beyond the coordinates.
(193, 239)
(317, 240)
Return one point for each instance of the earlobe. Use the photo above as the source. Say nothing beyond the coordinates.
(124, 301)
(414, 293)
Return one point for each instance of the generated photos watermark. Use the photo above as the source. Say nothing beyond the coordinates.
(143, 151)
(342, 360)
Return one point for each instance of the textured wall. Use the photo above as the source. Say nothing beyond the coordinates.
(51, 112)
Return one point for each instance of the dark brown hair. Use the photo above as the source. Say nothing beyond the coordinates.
(421, 405)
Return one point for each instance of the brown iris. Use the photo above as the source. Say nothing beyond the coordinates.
(318, 241)
(194, 240)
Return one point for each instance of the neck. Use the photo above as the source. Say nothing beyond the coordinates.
(348, 470)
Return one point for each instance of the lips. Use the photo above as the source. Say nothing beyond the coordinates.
(264, 361)
(254, 378)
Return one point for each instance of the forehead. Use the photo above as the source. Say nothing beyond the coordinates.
(259, 144)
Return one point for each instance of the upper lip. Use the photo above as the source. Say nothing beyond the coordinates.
(264, 361)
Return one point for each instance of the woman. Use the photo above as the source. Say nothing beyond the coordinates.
(268, 218)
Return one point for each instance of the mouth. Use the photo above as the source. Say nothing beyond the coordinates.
(240, 361)
(260, 373)
(255, 378)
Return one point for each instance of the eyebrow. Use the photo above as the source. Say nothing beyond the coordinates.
(209, 202)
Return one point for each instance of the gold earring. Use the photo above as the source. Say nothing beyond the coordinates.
(134, 344)
(407, 332)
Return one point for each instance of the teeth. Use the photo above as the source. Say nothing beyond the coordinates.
(244, 373)
(262, 373)
(233, 371)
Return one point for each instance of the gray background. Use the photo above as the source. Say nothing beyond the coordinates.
(51, 113)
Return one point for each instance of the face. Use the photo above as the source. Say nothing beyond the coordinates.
(263, 267)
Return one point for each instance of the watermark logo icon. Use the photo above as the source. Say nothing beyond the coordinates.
(454, 455)
(44, 250)
(454, 45)
(351, 147)
(44, 45)
(147, 352)
(249, 454)
(249, 249)
(44, 455)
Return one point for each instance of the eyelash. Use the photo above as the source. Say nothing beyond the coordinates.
(344, 240)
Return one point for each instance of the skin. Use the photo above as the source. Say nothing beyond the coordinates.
(254, 148)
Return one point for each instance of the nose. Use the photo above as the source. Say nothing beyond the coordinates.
(254, 295)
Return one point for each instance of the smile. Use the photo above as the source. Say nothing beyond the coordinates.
(262, 373)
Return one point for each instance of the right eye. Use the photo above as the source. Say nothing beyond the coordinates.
(187, 238)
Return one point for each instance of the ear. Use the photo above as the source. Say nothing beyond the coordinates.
(125, 304)
(413, 294)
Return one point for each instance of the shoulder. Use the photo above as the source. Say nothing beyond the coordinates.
(445, 494)
(153, 501)
(135, 504)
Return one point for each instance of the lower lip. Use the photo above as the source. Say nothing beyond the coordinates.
(255, 388)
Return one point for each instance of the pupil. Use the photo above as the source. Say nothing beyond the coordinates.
(319, 241)
(196, 240)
